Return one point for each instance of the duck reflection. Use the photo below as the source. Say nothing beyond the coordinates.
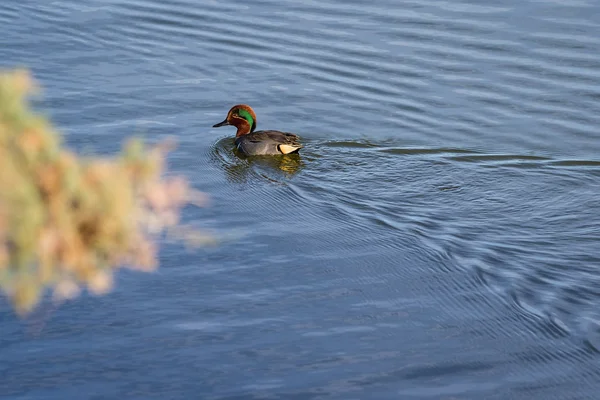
(241, 168)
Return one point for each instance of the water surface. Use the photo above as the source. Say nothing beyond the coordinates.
(437, 237)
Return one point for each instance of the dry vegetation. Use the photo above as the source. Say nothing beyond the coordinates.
(68, 222)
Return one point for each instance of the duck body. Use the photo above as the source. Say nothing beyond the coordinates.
(258, 143)
(263, 143)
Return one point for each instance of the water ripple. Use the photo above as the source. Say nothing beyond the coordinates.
(437, 235)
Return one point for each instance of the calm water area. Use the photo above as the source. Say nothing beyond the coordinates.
(438, 237)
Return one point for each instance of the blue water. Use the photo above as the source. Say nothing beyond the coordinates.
(437, 237)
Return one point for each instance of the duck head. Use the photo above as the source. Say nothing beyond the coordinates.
(242, 117)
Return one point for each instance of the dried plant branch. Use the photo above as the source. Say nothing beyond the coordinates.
(68, 222)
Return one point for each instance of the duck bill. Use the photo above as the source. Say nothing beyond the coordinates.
(224, 123)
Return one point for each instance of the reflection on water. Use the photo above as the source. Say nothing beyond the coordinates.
(437, 236)
(288, 164)
(240, 168)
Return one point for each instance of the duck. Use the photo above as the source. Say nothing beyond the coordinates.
(258, 143)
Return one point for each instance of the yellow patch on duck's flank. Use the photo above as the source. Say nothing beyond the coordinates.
(286, 148)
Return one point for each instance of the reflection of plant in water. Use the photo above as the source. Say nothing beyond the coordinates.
(66, 221)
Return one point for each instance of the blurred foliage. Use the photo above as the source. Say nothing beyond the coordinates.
(67, 222)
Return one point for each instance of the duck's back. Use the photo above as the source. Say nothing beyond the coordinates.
(268, 143)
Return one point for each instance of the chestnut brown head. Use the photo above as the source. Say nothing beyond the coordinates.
(242, 117)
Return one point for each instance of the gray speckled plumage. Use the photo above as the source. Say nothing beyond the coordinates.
(260, 143)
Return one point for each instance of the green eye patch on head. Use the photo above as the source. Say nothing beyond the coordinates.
(247, 116)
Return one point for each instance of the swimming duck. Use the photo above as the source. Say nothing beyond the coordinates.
(257, 143)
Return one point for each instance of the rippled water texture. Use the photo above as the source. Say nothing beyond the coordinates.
(438, 237)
